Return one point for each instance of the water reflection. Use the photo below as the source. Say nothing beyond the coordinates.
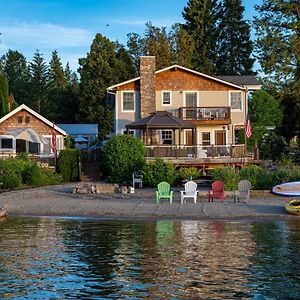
(76, 259)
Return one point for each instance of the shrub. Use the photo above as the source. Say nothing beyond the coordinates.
(122, 155)
(68, 164)
(157, 171)
(286, 174)
(9, 176)
(186, 173)
(228, 175)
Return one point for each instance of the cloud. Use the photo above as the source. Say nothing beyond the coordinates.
(44, 35)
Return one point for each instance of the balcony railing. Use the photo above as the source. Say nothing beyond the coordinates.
(197, 151)
(204, 113)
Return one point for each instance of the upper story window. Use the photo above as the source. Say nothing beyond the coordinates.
(191, 99)
(166, 97)
(20, 119)
(27, 119)
(128, 101)
(236, 100)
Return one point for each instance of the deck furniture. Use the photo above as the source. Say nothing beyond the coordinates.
(244, 187)
(164, 192)
(190, 191)
(137, 178)
(217, 191)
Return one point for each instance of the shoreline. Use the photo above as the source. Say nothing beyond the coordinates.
(59, 201)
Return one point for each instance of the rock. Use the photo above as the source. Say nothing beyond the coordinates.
(124, 190)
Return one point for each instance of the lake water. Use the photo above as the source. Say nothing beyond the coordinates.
(48, 258)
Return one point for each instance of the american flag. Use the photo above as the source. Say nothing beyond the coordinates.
(248, 130)
(53, 140)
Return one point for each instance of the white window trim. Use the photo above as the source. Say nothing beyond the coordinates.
(210, 136)
(162, 98)
(134, 101)
(187, 92)
(160, 136)
(229, 101)
(124, 131)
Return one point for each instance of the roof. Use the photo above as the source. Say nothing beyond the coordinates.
(158, 120)
(240, 79)
(34, 113)
(27, 134)
(80, 129)
(181, 68)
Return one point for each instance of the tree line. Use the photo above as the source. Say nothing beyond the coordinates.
(214, 39)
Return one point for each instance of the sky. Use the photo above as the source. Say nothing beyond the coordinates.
(69, 26)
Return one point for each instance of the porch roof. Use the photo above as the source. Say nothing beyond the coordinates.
(160, 120)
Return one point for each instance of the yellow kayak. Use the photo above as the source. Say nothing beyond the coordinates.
(293, 207)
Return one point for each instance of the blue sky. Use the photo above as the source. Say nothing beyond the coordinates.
(69, 26)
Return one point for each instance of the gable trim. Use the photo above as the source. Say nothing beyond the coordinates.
(185, 69)
(25, 107)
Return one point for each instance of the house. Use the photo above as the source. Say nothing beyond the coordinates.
(24, 130)
(182, 113)
(83, 134)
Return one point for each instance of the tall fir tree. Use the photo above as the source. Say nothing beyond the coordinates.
(39, 81)
(4, 107)
(57, 74)
(278, 49)
(16, 70)
(200, 23)
(234, 46)
(183, 46)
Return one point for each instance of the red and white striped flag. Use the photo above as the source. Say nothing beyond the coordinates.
(248, 131)
(53, 140)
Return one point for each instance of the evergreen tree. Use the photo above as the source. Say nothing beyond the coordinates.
(98, 71)
(200, 23)
(183, 46)
(278, 39)
(57, 74)
(39, 80)
(126, 67)
(17, 72)
(4, 108)
(234, 47)
(135, 49)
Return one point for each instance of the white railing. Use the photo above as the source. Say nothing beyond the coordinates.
(197, 151)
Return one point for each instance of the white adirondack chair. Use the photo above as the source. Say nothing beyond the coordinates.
(190, 191)
(243, 192)
(136, 178)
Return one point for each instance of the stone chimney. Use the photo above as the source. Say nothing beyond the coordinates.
(147, 85)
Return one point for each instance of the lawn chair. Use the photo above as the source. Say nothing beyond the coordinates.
(217, 191)
(190, 191)
(244, 187)
(163, 191)
(136, 178)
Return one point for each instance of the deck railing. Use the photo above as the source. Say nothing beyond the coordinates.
(197, 151)
(204, 113)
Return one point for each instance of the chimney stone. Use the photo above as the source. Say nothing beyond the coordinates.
(147, 85)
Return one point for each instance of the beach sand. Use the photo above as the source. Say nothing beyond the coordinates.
(60, 201)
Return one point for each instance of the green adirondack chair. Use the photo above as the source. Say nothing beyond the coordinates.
(163, 191)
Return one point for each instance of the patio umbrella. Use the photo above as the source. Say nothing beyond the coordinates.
(27, 134)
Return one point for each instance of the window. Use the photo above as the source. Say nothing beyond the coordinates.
(6, 143)
(27, 119)
(20, 120)
(191, 99)
(166, 98)
(167, 137)
(220, 137)
(128, 101)
(131, 132)
(236, 100)
(205, 138)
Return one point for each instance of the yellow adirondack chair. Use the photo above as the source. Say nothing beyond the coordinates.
(163, 191)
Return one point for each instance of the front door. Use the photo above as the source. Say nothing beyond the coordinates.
(220, 137)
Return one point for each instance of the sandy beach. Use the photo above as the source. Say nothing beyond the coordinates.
(60, 201)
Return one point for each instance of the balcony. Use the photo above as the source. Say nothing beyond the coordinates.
(206, 115)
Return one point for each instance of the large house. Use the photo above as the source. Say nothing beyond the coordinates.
(181, 113)
(24, 130)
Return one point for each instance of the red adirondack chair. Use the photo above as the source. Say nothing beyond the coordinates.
(217, 191)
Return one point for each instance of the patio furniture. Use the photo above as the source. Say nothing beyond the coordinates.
(164, 192)
(217, 191)
(190, 191)
(137, 178)
(244, 187)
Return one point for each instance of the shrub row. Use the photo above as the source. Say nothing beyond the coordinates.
(15, 172)
(68, 164)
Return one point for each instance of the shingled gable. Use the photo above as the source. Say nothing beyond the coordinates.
(137, 79)
(44, 120)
